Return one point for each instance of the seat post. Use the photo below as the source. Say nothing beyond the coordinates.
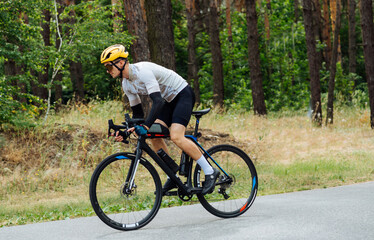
(197, 125)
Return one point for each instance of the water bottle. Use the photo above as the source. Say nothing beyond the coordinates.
(168, 160)
(183, 170)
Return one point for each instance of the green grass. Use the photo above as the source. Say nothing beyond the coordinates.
(322, 172)
(42, 213)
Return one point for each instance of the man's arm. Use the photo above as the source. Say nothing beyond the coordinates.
(137, 111)
(157, 103)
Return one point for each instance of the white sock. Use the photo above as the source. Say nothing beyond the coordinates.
(205, 165)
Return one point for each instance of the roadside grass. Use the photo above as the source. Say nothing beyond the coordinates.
(45, 171)
(322, 172)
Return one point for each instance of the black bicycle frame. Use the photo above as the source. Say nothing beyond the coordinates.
(143, 146)
(193, 138)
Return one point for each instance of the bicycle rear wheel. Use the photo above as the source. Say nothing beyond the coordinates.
(236, 190)
(115, 207)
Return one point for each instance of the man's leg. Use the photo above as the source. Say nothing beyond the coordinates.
(211, 174)
(158, 143)
(177, 132)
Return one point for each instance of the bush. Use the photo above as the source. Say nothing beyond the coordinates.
(14, 111)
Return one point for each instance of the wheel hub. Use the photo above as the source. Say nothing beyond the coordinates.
(126, 192)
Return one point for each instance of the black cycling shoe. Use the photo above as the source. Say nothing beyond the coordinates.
(169, 184)
(210, 182)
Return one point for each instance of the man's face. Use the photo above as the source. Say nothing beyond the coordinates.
(112, 70)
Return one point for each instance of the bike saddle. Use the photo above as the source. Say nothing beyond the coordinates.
(200, 113)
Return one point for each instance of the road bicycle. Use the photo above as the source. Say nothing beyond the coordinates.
(126, 191)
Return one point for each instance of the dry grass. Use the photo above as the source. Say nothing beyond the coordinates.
(290, 138)
(49, 167)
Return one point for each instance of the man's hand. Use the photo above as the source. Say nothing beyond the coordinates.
(144, 127)
(141, 130)
(117, 137)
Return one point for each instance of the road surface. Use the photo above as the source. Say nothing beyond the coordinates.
(345, 212)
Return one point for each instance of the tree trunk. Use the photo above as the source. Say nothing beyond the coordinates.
(228, 20)
(58, 88)
(296, 6)
(267, 41)
(326, 33)
(352, 36)
(215, 47)
(76, 73)
(239, 5)
(42, 91)
(317, 27)
(254, 59)
(193, 77)
(366, 10)
(313, 65)
(58, 79)
(229, 32)
(11, 70)
(117, 17)
(330, 98)
(267, 21)
(334, 12)
(76, 76)
(160, 32)
(137, 26)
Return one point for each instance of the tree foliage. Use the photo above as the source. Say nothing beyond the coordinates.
(22, 44)
(282, 46)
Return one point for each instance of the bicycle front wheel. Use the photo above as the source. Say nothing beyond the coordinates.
(236, 187)
(113, 205)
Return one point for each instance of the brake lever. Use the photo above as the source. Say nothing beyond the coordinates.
(110, 127)
(131, 122)
(124, 135)
(116, 128)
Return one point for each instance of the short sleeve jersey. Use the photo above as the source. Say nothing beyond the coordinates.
(146, 78)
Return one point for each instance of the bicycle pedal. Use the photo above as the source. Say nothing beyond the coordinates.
(171, 193)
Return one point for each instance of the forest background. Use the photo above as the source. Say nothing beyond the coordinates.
(268, 68)
(236, 54)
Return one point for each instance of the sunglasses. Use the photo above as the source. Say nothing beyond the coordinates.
(110, 66)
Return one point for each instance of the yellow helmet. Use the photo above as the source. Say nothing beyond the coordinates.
(113, 52)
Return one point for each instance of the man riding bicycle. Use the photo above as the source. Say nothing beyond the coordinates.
(172, 104)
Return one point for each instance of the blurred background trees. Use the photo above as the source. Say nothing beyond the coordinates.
(245, 55)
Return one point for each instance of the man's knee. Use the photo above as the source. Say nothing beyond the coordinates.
(176, 138)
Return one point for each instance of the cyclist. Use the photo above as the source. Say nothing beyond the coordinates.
(172, 104)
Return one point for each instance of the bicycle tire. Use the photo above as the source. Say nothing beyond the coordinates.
(229, 199)
(114, 207)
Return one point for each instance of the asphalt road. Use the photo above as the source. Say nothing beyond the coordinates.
(345, 212)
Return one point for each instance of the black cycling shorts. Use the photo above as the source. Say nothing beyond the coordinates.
(179, 110)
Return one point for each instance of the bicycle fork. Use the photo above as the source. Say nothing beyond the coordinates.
(130, 178)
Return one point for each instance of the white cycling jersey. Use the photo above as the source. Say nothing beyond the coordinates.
(146, 78)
